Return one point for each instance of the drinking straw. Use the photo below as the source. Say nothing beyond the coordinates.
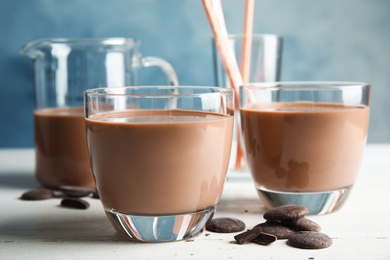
(247, 44)
(214, 13)
(245, 66)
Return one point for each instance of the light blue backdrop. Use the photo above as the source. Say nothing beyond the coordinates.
(345, 40)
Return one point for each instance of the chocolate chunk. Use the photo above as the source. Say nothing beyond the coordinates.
(225, 225)
(37, 194)
(74, 203)
(278, 230)
(309, 240)
(301, 224)
(289, 211)
(76, 191)
(248, 235)
(264, 239)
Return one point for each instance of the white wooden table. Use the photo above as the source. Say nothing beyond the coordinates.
(43, 230)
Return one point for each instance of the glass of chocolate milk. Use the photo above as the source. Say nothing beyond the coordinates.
(63, 69)
(159, 156)
(304, 141)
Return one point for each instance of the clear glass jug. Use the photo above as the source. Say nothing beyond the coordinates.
(63, 69)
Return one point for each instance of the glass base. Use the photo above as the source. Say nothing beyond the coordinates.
(318, 203)
(160, 228)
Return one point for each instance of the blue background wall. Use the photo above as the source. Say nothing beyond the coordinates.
(345, 40)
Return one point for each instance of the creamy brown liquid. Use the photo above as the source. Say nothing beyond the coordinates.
(304, 146)
(61, 151)
(149, 166)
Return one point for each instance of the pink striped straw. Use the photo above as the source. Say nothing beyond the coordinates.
(247, 45)
(215, 15)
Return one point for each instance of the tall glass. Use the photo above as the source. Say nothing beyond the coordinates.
(159, 156)
(304, 141)
(263, 65)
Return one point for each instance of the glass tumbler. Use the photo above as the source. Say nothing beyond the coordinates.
(159, 156)
(304, 141)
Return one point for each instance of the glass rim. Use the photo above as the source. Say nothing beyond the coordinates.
(255, 35)
(305, 85)
(103, 91)
(107, 41)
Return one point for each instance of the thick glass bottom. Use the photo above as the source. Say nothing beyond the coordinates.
(318, 203)
(160, 228)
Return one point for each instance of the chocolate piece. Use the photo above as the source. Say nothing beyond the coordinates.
(74, 203)
(278, 230)
(264, 239)
(76, 191)
(248, 235)
(289, 211)
(225, 225)
(309, 240)
(301, 224)
(37, 194)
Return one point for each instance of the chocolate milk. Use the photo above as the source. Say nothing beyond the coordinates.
(159, 162)
(61, 151)
(304, 146)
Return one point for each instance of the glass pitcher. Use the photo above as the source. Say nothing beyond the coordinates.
(63, 69)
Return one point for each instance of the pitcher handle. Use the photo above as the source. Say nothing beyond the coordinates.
(165, 66)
